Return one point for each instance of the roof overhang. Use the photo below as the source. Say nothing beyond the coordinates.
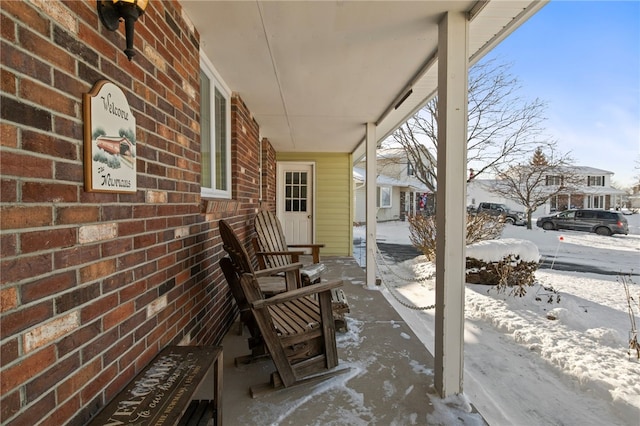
(314, 72)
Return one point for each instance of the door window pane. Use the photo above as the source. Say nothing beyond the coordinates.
(295, 190)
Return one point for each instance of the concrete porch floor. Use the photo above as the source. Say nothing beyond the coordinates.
(389, 381)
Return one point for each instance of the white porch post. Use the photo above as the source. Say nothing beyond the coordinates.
(450, 203)
(371, 187)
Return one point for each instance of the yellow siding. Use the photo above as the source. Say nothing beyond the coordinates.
(334, 199)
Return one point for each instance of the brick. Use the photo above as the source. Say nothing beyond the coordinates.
(30, 366)
(21, 113)
(78, 338)
(72, 215)
(47, 286)
(14, 270)
(76, 46)
(98, 307)
(76, 298)
(118, 315)
(20, 165)
(132, 323)
(9, 405)
(8, 191)
(92, 233)
(45, 50)
(8, 136)
(97, 270)
(27, 15)
(130, 228)
(47, 332)
(145, 210)
(53, 100)
(76, 256)
(59, 13)
(117, 247)
(49, 145)
(40, 192)
(156, 251)
(64, 412)
(136, 356)
(142, 241)
(70, 127)
(75, 381)
(116, 350)
(9, 85)
(8, 299)
(116, 212)
(72, 172)
(50, 378)
(18, 217)
(156, 197)
(104, 341)
(34, 413)
(99, 382)
(9, 352)
(7, 29)
(46, 240)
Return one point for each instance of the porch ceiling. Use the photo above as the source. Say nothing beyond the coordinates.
(313, 73)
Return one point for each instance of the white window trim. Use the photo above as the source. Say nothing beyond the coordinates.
(207, 67)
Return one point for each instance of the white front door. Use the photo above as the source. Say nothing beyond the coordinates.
(295, 201)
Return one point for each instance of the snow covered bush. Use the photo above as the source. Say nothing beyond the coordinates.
(422, 231)
(503, 263)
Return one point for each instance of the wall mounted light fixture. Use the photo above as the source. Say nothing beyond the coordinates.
(111, 11)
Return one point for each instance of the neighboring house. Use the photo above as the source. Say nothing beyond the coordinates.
(593, 191)
(634, 198)
(395, 199)
(399, 191)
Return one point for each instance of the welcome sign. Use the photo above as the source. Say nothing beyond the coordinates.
(109, 140)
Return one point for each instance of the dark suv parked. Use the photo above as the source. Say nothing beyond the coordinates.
(601, 222)
(495, 209)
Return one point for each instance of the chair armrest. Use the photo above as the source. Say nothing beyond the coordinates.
(305, 245)
(315, 250)
(298, 293)
(274, 253)
(278, 269)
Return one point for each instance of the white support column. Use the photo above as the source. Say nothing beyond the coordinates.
(450, 203)
(371, 188)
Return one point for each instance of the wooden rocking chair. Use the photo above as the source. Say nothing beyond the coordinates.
(272, 251)
(297, 329)
(271, 245)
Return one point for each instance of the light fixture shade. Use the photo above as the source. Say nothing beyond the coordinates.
(110, 12)
(142, 4)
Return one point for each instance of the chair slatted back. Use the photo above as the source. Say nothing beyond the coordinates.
(271, 238)
(236, 251)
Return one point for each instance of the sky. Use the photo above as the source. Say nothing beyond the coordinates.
(582, 58)
(538, 359)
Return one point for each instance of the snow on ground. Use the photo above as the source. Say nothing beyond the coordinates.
(537, 360)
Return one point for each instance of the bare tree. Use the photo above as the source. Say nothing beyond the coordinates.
(502, 125)
(532, 184)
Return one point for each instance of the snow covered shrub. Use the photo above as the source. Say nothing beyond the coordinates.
(503, 263)
(482, 227)
(422, 231)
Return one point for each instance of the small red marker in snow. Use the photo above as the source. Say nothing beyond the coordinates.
(561, 238)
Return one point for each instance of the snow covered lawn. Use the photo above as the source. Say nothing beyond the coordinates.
(556, 356)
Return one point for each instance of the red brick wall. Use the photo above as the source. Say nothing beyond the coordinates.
(268, 176)
(93, 285)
